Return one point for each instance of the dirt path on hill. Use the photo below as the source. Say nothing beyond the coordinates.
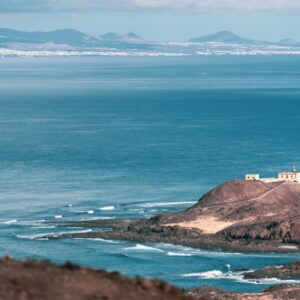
(211, 224)
(249, 200)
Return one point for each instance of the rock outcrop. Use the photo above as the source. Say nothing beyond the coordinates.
(284, 272)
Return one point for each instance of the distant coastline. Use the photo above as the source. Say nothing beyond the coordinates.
(69, 42)
(110, 53)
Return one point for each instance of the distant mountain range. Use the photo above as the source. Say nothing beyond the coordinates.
(228, 37)
(129, 37)
(64, 36)
(289, 42)
(223, 42)
(225, 37)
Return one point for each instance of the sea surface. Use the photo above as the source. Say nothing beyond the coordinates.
(84, 138)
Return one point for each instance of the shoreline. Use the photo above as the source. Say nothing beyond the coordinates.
(239, 215)
(130, 230)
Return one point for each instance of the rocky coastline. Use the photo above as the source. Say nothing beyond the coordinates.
(247, 216)
(284, 272)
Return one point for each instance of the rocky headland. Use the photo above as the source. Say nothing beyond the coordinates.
(238, 215)
(33, 280)
(284, 272)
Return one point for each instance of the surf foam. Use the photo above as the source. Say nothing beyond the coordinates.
(170, 253)
(238, 276)
(44, 236)
(9, 222)
(107, 208)
(139, 247)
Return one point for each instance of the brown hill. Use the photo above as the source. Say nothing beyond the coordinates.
(245, 210)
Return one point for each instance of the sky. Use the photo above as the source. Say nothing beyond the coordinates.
(169, 20)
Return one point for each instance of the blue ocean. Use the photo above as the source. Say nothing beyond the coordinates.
(100, 138)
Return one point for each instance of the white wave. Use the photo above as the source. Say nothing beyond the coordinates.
(34, 223)
(9, 222)
(79, 211)
(238, 276)
(139, 247)
(58, 217)
(107, 208)
(207, 275)
(98, 218)
(197, 252)
(100, 240)
(45, 227)
(44, 236)
(163, 204)
(70, 205)
(170, 253)
(289, 247)
(90, 212)
(274, 281)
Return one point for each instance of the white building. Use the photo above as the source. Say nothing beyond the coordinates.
(292, 176)
(252, 177)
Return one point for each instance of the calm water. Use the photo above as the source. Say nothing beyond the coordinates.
(137, 137)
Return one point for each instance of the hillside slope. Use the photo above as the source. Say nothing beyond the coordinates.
(255, 208)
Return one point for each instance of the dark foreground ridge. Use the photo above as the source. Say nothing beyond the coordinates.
(32, 280)
(238, 215)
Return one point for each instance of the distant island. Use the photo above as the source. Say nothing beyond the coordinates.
(69, 42)
(239, 215)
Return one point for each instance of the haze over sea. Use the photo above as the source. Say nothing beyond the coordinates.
(88, 138)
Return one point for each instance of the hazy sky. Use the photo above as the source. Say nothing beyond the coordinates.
(157, 19)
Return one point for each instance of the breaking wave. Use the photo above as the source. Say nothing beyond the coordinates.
(170, 253)
(107, 208)
(98, 218)
(238, 276)
(9, 222)
(139, 247)
(45, 236)
(100, 240)
(188, 251)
